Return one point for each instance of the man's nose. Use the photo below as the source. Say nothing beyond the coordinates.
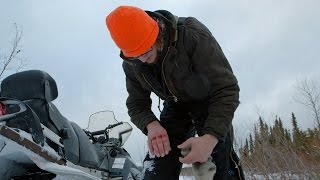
(143, 59)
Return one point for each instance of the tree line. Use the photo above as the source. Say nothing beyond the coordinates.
(275, 150)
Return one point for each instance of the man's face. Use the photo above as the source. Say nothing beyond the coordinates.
(149, 56)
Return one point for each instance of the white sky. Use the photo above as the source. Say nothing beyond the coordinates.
(269, 44)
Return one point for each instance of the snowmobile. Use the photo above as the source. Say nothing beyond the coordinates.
(38, 142)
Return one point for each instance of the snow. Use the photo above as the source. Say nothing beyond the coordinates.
(63, 172)
(46, 147)
(148, 166)
(280, 176)
(2, 144)
(63, 177)
(11, 153)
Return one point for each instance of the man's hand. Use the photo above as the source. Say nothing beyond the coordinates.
(158, 139)
(201, 148)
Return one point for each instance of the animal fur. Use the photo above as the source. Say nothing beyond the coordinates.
(201, 169)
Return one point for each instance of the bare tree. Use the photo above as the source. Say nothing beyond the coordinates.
(308, 94)
(10, 59)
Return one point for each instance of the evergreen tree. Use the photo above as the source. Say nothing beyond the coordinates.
(245, 152)
(270, 149)
(272, 139)
(281, 129)
(251, 145)
(263, 129)
(295, 130)
(288, 135)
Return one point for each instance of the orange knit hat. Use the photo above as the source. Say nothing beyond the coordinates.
(132, 29)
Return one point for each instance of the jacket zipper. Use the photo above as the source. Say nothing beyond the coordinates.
(174, 96)
(151, 85)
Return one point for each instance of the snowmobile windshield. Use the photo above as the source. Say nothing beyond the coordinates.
(106, 119)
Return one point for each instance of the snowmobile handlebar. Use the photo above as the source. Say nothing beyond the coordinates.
(94, 133)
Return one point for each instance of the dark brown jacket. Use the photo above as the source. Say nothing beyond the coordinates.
(193, 68)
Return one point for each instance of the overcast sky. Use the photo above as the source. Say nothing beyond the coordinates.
(269, 44)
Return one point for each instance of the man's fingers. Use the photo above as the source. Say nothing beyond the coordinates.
(151, 151)
(187, 159)
(155, 147)
(166, 144)
(185, 144)
(160, 146)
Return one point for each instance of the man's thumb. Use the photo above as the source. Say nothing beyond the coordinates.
(184, 145)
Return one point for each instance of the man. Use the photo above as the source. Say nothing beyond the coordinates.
(180, 61)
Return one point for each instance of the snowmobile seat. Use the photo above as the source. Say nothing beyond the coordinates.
(38, 89)
(34, 87)
(90, 155)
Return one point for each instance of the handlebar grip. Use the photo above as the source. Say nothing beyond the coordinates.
(114, 125)
(94, 133)
(97, 132)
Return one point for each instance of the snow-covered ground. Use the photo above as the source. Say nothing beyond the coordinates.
(11, 153)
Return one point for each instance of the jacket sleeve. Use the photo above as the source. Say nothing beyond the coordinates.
(138, 101)
(209, 61)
